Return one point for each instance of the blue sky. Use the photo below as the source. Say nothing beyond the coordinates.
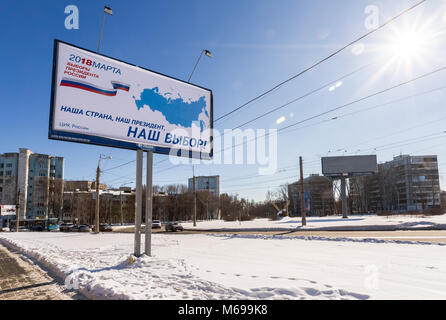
(255, 45)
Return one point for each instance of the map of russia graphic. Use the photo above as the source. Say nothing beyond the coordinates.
(176, 111)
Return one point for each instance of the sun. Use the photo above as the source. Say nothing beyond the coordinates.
(407, 46)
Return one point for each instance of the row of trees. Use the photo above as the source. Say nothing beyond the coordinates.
(170, 203)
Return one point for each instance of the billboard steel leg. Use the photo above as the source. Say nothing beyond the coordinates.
(139, 165)
(344, 198)
(149, 199)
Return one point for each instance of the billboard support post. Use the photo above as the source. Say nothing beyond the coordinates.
(344, 198)
(139, 165)
(149, 202)
(302, 194)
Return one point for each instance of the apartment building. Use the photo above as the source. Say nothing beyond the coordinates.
(38, 178)
(404, 183)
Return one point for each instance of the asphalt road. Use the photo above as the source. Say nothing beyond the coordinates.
(433, 236)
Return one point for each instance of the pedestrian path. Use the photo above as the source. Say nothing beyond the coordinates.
(23, 280)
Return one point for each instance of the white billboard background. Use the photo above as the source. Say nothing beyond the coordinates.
(123, 103)
(7, 210)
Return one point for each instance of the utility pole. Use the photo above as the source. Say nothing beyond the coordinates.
(120, 207)
(17, 210)
(344, 198)
(302, 194)
(98, 175)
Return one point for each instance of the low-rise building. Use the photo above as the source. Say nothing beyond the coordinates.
(320, 191)
(83, 185)
(114, 206)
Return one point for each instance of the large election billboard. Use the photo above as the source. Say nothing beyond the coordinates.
(349, 165)
(103, 101)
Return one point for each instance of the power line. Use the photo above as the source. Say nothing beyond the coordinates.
(342, 107)
(302, 97)
(320, 61)
(365, 98)
(295, 76)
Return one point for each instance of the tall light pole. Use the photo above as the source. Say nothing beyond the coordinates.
(107, 10)
(208, 54)
(98, 176)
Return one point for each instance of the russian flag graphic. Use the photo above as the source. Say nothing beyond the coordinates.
(93, 88)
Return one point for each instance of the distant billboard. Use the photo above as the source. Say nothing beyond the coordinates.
(307, 198)
(103, 101)
(7, 210)
(349, 165)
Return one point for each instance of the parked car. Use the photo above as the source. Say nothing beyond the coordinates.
(84, 228)
(156, 224)
(37, 227)
(21, 229)
(65, 227)
(104, 227)
(53, 227)
(74, 228)
(174, 226)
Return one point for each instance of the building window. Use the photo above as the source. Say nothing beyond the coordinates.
(9, 165)
(8, 173)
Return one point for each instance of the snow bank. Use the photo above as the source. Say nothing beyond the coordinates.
(354, 222)
(238, 267)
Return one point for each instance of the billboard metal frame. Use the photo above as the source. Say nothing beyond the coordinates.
(115, 143)
(344, 174)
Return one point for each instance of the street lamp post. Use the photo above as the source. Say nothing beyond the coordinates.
(107, 10)
(98, 176)
(208, 54)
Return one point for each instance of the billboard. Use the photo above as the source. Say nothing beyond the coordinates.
(349, 165)
(307, 199)
(7, 210)
(103, 101)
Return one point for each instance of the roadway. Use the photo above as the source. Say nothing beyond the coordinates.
(432, 236)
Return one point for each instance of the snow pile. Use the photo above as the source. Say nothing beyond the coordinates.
(354, 222)
(238, 267)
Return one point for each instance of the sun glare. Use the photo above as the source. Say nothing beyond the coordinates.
(407, 46)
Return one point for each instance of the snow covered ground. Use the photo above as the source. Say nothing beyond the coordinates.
(354, 222)
(239, 267)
